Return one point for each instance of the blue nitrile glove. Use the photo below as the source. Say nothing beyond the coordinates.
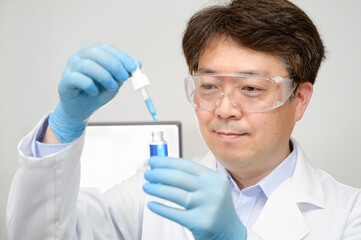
(205, 194)
(91, 79)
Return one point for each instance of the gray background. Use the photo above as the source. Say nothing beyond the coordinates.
(37, 37)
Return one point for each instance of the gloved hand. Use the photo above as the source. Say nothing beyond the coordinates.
(205, 194)
(91, 79)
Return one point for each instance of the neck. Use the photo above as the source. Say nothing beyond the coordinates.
(250, 174)
(245, 182)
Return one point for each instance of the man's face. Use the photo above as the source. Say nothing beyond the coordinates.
(253, 141)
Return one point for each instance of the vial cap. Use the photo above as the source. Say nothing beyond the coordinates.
(157, 136)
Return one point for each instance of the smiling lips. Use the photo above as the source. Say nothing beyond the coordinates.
(229, 135)
(229, 131)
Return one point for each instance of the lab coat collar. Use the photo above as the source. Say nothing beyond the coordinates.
(281, 217)
(306, 182)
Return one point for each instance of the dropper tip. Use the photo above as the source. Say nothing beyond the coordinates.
(155, 118)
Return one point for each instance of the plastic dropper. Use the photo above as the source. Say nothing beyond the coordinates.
(140, 82)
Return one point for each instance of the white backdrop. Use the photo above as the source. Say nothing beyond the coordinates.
(38, 36)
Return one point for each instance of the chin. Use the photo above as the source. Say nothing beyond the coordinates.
(232, 157)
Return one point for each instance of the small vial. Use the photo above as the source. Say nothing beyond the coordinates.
(158, 146)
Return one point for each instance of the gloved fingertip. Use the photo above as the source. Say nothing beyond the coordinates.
(146, 187)
(155, 161)
(146, 175)
(92, 90)
(152, 160)
(113, 86)
(122, 78)
(132, 65)
(138, 62)
(150, 205)
(153, 206)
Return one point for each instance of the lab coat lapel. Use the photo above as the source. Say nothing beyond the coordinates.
(306, 182)
(281, 217)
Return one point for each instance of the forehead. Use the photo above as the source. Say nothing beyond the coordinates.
(225, 56)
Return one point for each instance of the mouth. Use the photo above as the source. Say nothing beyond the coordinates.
(229, 135)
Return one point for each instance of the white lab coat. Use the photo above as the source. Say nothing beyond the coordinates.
(45, 203)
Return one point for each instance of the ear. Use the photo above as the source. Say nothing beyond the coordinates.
(303, 97)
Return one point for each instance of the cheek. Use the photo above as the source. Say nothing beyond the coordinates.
(277, 124)
(203, 119)
(266, 126)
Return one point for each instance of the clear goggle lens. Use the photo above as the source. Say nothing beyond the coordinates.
(248, 93)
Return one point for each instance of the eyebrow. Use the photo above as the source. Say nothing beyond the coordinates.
(250, 72)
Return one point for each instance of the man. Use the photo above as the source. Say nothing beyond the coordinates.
(252, 64)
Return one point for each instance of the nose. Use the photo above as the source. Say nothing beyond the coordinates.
(227, 108)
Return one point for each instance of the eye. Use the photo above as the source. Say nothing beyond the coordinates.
(208, 86)
(251, 91)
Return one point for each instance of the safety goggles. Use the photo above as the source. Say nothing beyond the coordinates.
(246, 92)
